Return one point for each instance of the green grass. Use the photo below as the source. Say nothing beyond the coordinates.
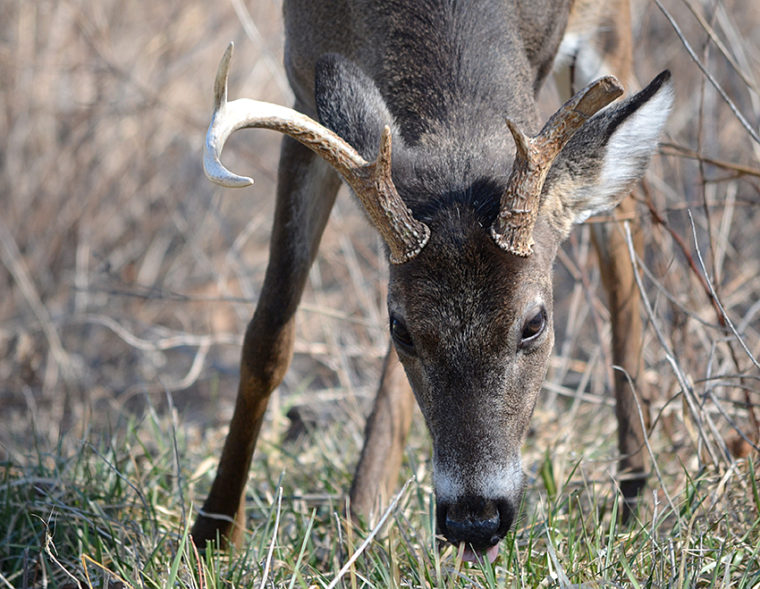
(114, 511)
(125, 275)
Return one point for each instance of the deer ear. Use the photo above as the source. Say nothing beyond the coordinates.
(601, 163)
(349, 103)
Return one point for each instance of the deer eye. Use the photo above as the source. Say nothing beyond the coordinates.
(401, 336)
(533, 327)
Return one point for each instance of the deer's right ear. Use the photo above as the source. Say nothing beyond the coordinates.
(606, 157)
(349, 103)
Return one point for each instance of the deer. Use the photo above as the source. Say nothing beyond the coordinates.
(427, 110)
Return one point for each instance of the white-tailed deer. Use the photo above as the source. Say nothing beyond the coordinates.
(420, 106)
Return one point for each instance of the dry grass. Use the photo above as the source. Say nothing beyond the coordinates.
(128, 280)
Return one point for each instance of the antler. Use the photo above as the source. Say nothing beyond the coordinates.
(513, 228)
(371, 182)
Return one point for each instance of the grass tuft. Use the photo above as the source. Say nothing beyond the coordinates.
(127, 282)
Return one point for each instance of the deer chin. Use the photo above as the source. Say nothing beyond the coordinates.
(470, 555)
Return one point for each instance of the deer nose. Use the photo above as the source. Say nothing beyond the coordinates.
(479, 522)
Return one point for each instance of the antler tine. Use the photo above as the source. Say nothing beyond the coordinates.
(405, 235)
(371, 182)
(219, 130)
(244, 112)
(513, 228)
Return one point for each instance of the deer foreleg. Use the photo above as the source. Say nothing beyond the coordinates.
(305, 194)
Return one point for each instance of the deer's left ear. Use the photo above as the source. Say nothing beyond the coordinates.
(600, 164)
(349, 103)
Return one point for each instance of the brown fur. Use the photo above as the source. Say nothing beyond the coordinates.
(471, 323)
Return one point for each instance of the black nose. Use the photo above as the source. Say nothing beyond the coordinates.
(479, 522)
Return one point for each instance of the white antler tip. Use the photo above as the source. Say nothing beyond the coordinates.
(219, 129)
(218, 174)
(222, 74)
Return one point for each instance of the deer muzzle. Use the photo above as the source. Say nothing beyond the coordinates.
(477, 506)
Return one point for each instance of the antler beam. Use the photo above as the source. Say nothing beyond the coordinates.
(371, 182)
(513, 228)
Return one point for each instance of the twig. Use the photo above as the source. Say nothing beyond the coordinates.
(688, 393)
(660, 220)
(701, 163)
(253, 33)
(642, 421)
(371, 535)
(85, 559)
(727, 321)
(730, 421)
(701, 273)
(12, 259)
(713, 81)
(675, 303)
(719, 44)
(164, 343)
(683, 151)
(52, 557)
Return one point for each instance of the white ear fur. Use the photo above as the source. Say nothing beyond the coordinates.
(635, 140)
(627, 154)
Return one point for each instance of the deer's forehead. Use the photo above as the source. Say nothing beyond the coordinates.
(467, 284)
(463, 283)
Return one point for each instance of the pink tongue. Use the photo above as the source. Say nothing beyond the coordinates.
(469, 555)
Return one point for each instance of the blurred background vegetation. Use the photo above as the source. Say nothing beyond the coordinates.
(127, 279)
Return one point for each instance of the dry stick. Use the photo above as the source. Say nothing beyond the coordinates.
(675, 303)
(709, 76)
(163, 343)
(727, 321)
(724, 226)
(163, 386)
(749, 315)
(660, 220)
(708, 217)
(701, 164)
(153, 294)
(691, 154)
(688, 393)
(730, 421)
(51, 556)
(629, 380)
(722, 317)
(708, 28)
(717, 377)
(12, 259)
(717, 435)
(84, 558)
(371, 535)
(252, 31)
(737, 44)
